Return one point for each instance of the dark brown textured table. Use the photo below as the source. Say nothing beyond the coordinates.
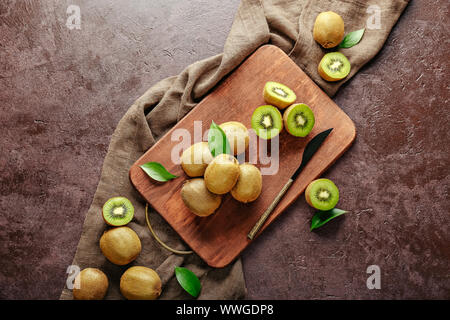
(63, 91)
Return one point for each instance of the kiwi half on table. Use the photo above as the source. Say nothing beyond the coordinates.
(334, 66)
(118, 211)
(322, 194)
(298, 120)
(267, 122)
(278, 94)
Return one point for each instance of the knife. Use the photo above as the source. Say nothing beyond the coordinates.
(310, 150)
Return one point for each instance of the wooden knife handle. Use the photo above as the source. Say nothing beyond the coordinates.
(269, 210)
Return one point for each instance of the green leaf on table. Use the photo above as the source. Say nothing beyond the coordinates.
(188, 281)
(156, 171)
(322, 217)
(352, 39)
(217, 140)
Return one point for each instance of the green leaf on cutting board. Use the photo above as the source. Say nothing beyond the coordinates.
(217, 141)
(322, 217)
(156, 170)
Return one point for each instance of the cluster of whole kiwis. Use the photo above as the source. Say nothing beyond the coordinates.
(329, 32)
(215, 176)
(267, 120)
(120, 245)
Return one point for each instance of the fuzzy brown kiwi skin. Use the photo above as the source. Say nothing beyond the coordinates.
(196, 169)
(328, 29)
(237, 135)
(249, 185)
(308, 194)
(109, 247)
(93, 285)
(222, 174)
(198, 198)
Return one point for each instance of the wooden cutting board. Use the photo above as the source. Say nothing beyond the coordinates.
(221, 237)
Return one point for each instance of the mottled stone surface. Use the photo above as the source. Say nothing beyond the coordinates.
(63, 91)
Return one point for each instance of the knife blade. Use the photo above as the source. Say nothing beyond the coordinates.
(310, 149)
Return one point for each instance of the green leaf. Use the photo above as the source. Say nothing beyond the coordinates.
(157, 171)
(352, 38)
(188, 281)
(322, 217)
(217, 140)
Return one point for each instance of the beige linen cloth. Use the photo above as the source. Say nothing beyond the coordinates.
(283, 23)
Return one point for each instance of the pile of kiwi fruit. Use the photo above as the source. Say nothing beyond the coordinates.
(214, 177)
(328, 31)
(268, 120)
(120, 245)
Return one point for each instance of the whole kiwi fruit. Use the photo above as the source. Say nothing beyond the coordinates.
(195, 159)
(267, 122)
(249, 184)
(90, 284)
(222, 174)
(328, 29)
(237, 135)
(198, 198)
(120, 245)
(140, 283)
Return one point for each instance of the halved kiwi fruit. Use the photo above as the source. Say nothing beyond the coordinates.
(334, 66)
(118, 211)
(267, 122)
(278, 94)
(322, 194)
(298, 120)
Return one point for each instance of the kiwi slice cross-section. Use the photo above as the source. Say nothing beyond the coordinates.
(322, 194)
(278, 94)
(334, 66)
(267, 122)
(118, 211)
(299, 120)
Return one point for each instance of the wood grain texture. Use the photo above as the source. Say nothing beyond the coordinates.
(221, 237)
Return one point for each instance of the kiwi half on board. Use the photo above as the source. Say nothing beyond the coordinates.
(334, 66)
(298, 120)
(322, 194)
(118, 211)
(267, 122)
(278, 94)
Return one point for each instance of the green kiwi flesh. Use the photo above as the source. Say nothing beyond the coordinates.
(267, 122)
(278, 94)
(118, 211)
(334, 66)
(299, 120)
(322, 194)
